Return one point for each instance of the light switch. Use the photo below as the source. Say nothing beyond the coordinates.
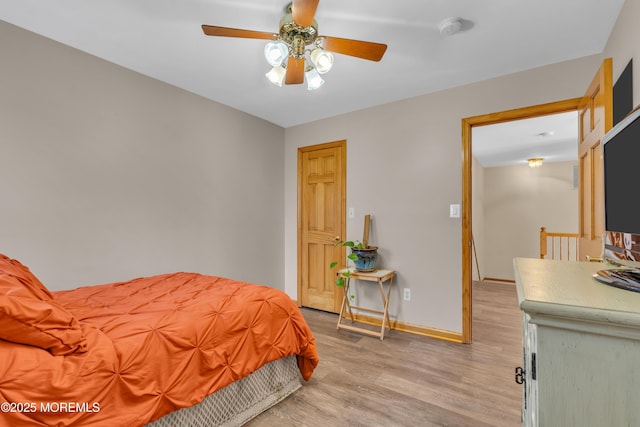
(454, 211)
(351, 213)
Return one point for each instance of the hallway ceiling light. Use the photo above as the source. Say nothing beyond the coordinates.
(535, 162)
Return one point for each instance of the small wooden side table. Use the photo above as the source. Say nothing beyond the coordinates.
(380, 276)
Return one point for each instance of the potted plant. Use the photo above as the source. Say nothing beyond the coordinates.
(363, 256)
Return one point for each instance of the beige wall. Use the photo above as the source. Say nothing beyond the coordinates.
(109, 175)
(477, 222)
(403, 164)
(518, 200)
(404, 167)
(624, 45)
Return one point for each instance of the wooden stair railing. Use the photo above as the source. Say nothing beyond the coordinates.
(563, 246)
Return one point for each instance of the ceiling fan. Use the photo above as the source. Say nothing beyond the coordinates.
(297, 51)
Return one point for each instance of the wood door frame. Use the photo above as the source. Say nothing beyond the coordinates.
(343, 203)
(597, 98)
(467, 160)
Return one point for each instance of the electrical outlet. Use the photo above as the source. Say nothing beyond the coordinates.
(407, 294)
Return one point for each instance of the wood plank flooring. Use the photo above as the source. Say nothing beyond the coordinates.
(409, 380)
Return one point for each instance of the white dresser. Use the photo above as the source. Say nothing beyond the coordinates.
(581, 341)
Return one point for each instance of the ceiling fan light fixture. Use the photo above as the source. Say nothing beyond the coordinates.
(277, 75)
(322, 59)
(314, 81)
(298, 48)
(276, 53)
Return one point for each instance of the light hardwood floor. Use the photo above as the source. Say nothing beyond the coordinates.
(410, 380)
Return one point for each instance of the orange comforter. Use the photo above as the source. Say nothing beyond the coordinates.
(153, 345)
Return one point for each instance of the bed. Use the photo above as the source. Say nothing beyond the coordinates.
(173, 349)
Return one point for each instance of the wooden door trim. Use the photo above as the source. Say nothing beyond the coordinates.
(467, 125)
(343, 202)
(598, 97)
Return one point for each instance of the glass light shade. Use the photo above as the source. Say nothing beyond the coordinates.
(322, 59)
(276, 75)
(535, 162)
(314, 81)
(276, 53)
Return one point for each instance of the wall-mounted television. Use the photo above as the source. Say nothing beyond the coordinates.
(621, 155)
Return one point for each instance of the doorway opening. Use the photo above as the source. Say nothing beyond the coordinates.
(467, 193)
(513, 199)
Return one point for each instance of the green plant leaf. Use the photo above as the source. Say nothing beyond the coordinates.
(349, 244)
(346, 274)
(340, 282)
(359, 245)
(333, 264)
(353, 257)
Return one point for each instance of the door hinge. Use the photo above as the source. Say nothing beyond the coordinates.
(533, 366)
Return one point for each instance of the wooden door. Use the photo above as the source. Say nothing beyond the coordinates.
(321, 218)
(595, 118)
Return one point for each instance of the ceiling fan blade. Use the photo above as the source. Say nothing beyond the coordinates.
(303, 11)
(212, 30)
(359, 49)
(295, 71)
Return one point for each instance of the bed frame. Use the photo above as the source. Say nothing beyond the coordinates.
(240, 401)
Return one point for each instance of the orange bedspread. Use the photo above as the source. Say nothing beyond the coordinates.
(153, 345)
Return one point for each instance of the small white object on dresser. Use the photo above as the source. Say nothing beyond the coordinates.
(581, 342)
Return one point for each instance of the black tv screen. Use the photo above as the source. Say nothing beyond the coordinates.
(621, 174)
(621, 153)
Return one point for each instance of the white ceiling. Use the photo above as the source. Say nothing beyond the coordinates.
(163, 39)
(554, 138)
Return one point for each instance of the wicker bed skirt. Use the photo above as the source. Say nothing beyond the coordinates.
(240, 401)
